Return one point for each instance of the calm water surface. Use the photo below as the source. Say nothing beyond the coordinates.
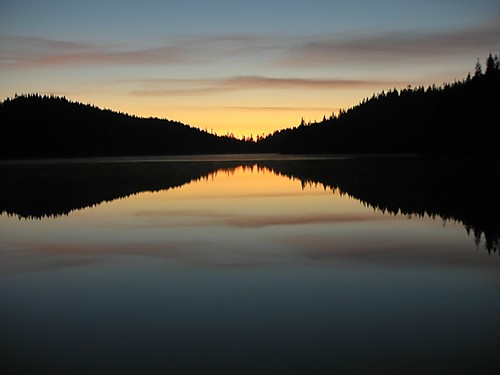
(245, 270)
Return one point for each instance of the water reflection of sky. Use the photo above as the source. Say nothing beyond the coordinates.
(246, 216)
(244, 267)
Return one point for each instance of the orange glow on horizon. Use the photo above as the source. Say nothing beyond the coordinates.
(243, 113)
(222, 116)
(245, 121)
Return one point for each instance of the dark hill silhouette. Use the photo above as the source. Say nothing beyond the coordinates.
(458, 118)
(458, 189)
(34, 126)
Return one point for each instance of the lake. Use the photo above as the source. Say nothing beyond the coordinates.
(254, 264)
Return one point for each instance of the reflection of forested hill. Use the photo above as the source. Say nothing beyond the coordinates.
(465, 190)
(41, 189)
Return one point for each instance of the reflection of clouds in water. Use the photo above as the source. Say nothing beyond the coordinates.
(424, 253)
(25, 258)
(45, 256)
(276, 220)
(258, 182)
(48, 256)
(229, 233)
(298, 248)
(170, 218)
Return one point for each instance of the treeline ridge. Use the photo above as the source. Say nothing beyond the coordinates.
(457, 118)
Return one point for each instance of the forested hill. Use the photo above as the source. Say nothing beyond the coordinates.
(458, 118)
(34, 126)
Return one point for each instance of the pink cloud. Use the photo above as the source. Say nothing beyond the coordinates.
(193, 87)
(30, 52)
(380, 47)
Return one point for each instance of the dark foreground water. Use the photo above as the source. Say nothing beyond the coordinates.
(235, 266)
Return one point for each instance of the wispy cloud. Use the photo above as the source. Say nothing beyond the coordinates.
(188, 87)
(258, 82)
(278, 109)
(29, 52)
(383, 46)
(20, 51)
(262, 51)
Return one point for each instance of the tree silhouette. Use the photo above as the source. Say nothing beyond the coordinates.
(492, 65)
(452, 119)
(478, 69)
(34, 126)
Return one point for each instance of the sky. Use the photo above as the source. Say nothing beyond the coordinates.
(241, 67)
